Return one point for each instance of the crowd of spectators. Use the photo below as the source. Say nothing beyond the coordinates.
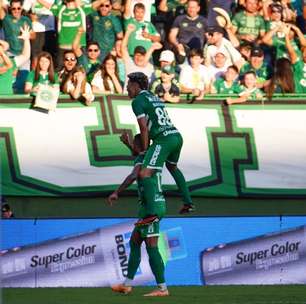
(250, 48)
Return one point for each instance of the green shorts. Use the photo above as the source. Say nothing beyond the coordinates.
(147, 231)
(163, 149)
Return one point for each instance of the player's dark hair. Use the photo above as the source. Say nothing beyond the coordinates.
(140, 78)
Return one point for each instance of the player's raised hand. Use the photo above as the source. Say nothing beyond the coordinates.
(112, 198)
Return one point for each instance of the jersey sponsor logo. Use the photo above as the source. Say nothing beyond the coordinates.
(71, 23)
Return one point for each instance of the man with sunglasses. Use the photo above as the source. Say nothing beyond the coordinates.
(216, 43)
(12, 23)
(70, 62)
(70, 16)
(89, 61)
(106, 28)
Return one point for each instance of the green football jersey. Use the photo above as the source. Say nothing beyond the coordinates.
(153, 109)
(262, 74)
(136, 38)
(222, 87)
(68, 22)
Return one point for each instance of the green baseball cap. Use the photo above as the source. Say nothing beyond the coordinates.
(168, 69)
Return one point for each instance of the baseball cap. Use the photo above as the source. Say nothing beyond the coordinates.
(168, 69)
(257, 52)
(166, 55)
(215, 29)
(140, 50)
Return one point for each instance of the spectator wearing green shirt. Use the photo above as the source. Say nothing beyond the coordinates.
(12, 23)
(248, 24)
(145, 33)
(289, 75)
(89, 61)
(228, 84)
(272, 38)
(8, 66)
(259, 66)
(70, 16)
(42, 75)
(249, 89)
(106, 28)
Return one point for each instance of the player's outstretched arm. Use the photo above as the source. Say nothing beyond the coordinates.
(129, 180)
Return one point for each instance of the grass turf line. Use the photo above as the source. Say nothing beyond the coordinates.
(275, 294)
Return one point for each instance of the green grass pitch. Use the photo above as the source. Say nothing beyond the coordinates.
(276, 294)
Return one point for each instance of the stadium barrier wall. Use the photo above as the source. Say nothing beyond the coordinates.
(218, 251)
(256, 149)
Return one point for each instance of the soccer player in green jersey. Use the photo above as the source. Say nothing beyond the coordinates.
(147, 233)
(155, 125)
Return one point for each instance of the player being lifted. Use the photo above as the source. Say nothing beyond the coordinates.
(148, 233)
(155, 124)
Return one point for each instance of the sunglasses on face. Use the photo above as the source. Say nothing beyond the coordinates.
(210, 34)
(70, 59)
(93, 50)
(16, 8)
(105, 5)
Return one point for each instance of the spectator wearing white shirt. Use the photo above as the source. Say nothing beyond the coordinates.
(194, 78)
(218, 66)
(217, 43)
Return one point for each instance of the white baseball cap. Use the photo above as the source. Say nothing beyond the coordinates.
(167, 55)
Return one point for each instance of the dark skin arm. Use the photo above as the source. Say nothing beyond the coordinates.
(144, 132)
(129, 180)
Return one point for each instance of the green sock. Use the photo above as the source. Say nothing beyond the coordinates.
(182, 186)
(157, 264)
(149, 194)
(134, 260)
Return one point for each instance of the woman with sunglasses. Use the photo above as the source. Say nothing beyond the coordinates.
(78, 87)
(42, 75)
(106, 80)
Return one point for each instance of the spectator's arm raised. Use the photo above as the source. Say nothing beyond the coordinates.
(76, 47)
(7, 63)
(155, 46)
(124, 49)
(127, 9)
